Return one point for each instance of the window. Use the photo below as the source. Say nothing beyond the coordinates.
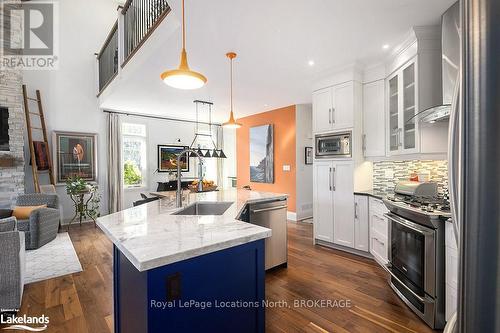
(209, 164)
(134, 154)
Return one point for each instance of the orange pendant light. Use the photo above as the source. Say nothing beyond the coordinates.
(231, 123)
(183, 77)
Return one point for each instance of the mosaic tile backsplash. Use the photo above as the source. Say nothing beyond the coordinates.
(401, 170)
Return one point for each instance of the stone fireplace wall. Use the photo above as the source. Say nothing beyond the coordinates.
(12, 161)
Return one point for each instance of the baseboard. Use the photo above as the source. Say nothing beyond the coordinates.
(292, 216)
(343, 248)
(302, 219)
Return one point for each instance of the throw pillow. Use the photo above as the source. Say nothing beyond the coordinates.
(24, 212)
(4, 213)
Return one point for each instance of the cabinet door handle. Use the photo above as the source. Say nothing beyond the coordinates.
(333, 178)
(330, 179)
(355, 210)
(364, 142)
(400, 142)
(333, 115)
(329, 116)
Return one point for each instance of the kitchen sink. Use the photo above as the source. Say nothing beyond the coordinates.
(205, 208)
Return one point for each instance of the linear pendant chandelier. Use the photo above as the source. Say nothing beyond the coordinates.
(183, 77)
(231, 123)
(216, 152)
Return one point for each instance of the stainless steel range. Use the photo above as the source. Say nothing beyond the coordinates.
(416, 254)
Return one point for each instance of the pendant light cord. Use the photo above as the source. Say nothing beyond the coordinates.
(231, 80)
(183, 28)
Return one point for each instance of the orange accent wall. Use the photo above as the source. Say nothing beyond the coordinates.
(283, 121)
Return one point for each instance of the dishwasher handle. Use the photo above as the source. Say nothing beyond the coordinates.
(268, 209)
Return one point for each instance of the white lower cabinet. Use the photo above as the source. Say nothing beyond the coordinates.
(343, 203)
(334, 202)
(379, 231)
(323, 202)
(361, 223)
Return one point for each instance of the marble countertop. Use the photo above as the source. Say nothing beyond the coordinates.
(372, 193)
(150, 236)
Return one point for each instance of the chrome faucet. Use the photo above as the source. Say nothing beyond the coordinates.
(200, 174)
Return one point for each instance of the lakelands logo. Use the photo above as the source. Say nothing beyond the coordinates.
(32, 324)
(30, 31)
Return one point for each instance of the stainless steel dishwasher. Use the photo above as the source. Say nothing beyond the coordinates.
(272, 215)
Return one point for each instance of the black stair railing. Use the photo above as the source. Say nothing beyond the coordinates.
(108, 59)
(141, 17)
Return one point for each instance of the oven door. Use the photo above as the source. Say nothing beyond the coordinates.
(413, 255)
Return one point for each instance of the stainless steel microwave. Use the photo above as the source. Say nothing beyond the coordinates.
(333, 145)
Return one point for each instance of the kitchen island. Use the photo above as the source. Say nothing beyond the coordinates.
(185, 273)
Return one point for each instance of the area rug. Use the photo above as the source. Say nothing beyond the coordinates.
(54, 259)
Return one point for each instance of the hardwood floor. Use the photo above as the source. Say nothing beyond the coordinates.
(82, 302)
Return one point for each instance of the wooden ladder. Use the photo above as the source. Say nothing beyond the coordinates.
(28, 113)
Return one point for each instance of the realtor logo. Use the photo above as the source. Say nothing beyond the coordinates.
(30, 35)
(25, 323)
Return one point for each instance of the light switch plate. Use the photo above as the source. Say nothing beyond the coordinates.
(286, 167)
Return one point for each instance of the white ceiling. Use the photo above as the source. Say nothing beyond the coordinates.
(274, 41)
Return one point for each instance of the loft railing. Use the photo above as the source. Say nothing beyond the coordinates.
(141, 17)
(108, 58)
(136, 22)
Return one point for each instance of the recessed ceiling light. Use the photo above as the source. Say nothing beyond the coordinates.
(385, 46)
(310, 62)
(266, 105)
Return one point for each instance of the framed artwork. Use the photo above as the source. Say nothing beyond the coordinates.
(41, 155)
(75, 154)
(262, 154)
(308, 155)
(167, 158)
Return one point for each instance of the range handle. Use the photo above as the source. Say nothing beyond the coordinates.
(417, 296)
(410, 225)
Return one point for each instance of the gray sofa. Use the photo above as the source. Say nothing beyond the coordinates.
(12, 265)
(43, 223)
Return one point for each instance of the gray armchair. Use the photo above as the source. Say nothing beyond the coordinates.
(12, 265)
(43, 223)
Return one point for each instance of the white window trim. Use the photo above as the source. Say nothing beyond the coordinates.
(145, 178)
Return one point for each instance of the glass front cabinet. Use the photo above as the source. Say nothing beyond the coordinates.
(402, 107)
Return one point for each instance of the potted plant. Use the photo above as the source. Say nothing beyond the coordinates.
(77, 188)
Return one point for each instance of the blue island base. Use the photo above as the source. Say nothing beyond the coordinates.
(221, 291)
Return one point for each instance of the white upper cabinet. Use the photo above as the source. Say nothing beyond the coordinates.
(414, 84)
(403, 132)
(374, 119)
(333, 108)
(343, 106)
(322, 110)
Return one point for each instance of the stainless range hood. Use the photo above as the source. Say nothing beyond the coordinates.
(450, 41)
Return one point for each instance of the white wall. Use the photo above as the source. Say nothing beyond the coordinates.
(304, 173)
(164, 132)
(69, 93)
